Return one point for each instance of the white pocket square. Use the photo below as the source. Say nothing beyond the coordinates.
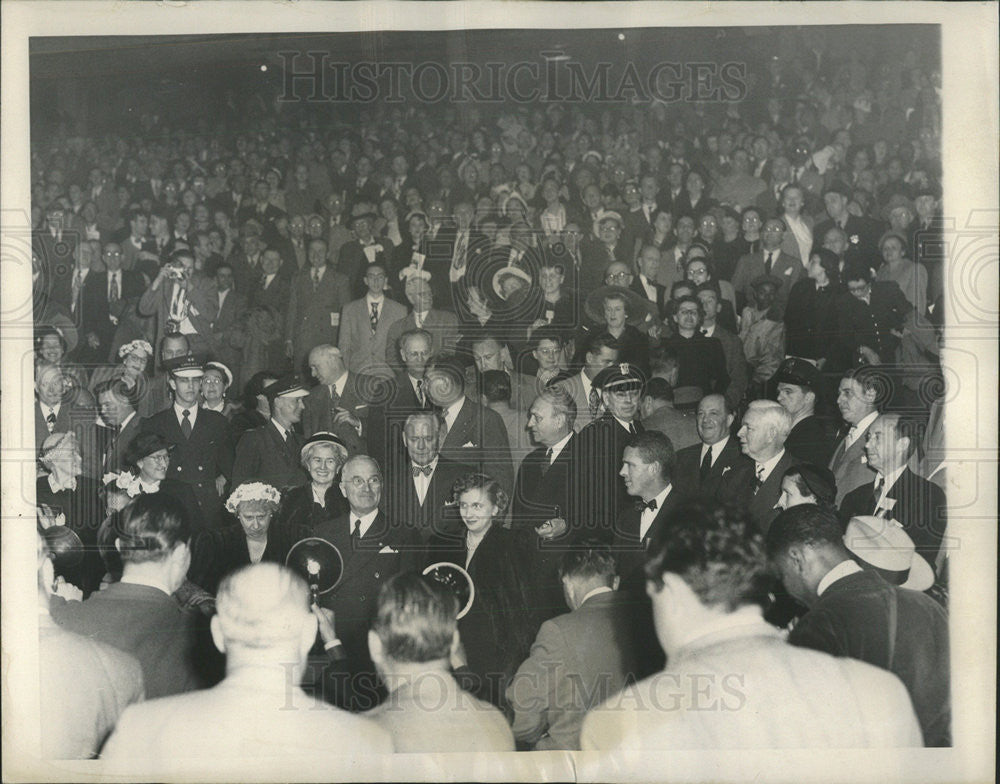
(467, 445)
(387, 551)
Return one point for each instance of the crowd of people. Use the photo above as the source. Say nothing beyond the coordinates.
(663, 380)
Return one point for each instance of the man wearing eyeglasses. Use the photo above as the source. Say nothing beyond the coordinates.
(105, 296)
(372, 551)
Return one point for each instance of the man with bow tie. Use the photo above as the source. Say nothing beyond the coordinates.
(647, 467)
(896, 492)
(420, 484)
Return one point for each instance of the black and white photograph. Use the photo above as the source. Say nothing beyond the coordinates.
(499, 391)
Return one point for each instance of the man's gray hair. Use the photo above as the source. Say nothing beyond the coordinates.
(773, 414)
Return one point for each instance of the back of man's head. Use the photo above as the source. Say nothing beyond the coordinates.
(716, 551)
(152, 527)
(586, 567)
(263, 607)
(805, 525)
(415, 620)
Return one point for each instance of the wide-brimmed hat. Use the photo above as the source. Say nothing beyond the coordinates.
(884, 545)
(762, 280)
(511, 270)
(639, 309)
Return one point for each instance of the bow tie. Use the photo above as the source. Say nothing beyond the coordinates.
(642, 506)
(418, 470)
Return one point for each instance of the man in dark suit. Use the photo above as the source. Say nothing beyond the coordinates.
(769, 260)
(710, 297)
(116, 406)
(607, 249)
(862, 233)
(799, 383)
(260, 209)
(55, 247)
(271, 453)
(202, 441)
(579, 659)
(373, 551)
(335, 404)
(756, 486)
(356, 255)
(870, 320)
(896, 492)
(702, 468)
(855, 612)
(319, 293)
(701, 361)
(419, 488)
(644, 284)
(475, 435)
(247, 258)
(544, 504)
(104, 298)
(602, 444)
(648, 466)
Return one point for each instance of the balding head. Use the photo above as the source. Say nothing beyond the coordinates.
(326, 363)
(263, 617)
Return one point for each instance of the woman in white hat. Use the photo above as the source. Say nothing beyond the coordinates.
(319, 499)
(214, 386)
(132, 370)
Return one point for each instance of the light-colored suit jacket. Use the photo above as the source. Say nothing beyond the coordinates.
(442, 325)
(756, 692)
(363, 350)
(577, 661)
(848, 468)
(273, 722)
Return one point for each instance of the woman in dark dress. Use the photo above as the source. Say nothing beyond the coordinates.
(65, 497)
(499, 628)
(320, 499)
(250, 539)
(811, 312)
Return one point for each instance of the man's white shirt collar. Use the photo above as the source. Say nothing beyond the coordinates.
(717, 448)
(366, 521)
(649, 515)
(861, 427)
(559, 446)
(769, 465)
(842, 569)
(281, 430)
(192, 412)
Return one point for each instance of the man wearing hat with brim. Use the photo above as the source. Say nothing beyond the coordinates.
(272, 453)
(799, 384)
(202, 441)
(602, 444)
(855, 612)
(365, 249)
(627, 317)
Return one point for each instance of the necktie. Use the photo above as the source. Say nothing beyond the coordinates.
(758, 479)
(767, 263)
(114, 294)
(852, 435)
(77, 285)
(460, 247)
(315, 277)
(373, 318)
(631, 428)
(420, 392)
(186, 423)
(356, 534)
(418, 470)
(706, 464)
(877, 492)
(50, 420)
(642, 506)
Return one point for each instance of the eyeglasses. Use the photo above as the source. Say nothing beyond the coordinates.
(158, 458)
(548, 352)
(618, 276)
(358, 482)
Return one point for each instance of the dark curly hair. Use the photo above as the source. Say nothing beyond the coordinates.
(717, 551)
(480, 482)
